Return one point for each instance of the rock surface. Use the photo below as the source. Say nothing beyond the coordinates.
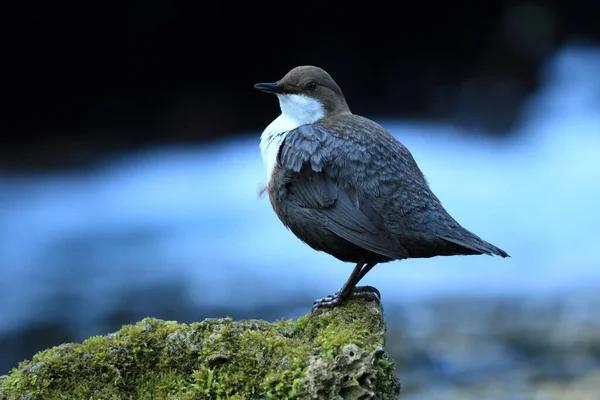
(331, 354)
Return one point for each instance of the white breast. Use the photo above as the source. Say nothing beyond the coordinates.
(296, 110)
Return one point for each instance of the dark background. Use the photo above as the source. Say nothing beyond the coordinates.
(84, 79)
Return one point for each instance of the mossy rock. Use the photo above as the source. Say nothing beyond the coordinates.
(329, 354)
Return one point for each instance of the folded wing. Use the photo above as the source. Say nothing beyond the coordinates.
(348, 215)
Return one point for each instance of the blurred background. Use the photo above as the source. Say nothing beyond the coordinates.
(130, 170)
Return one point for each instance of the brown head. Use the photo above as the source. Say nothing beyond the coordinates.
(299, 88)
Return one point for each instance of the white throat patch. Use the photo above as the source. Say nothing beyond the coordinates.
(296, 110)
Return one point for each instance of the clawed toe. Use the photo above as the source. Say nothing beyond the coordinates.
(366, 290)
(368, 293)
(326, 302)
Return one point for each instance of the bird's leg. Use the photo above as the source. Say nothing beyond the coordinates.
(365, 292)
(363, 272)
(349, 290)
(342, 294)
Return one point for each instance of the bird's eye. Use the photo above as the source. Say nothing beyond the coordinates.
(312, 85)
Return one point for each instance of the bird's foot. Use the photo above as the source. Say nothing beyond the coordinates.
(368, 293)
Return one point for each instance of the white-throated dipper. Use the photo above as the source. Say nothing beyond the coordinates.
(344, 185)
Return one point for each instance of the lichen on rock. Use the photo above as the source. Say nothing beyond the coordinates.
(330, 354)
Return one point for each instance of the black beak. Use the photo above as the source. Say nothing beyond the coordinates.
(268, 87)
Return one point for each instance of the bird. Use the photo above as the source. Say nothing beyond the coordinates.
(344, 185)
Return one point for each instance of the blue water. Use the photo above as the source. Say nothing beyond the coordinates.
(193, 215)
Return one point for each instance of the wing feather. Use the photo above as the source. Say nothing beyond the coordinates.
(367, 185)
(347, 216)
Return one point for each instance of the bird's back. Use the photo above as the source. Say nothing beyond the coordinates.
(369, 159)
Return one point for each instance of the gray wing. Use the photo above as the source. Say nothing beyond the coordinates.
(369, 164)
(359, 153)
(347, 213)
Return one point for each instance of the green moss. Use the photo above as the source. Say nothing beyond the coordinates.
(331, 354)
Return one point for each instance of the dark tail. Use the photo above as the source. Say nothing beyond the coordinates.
(474, 243)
